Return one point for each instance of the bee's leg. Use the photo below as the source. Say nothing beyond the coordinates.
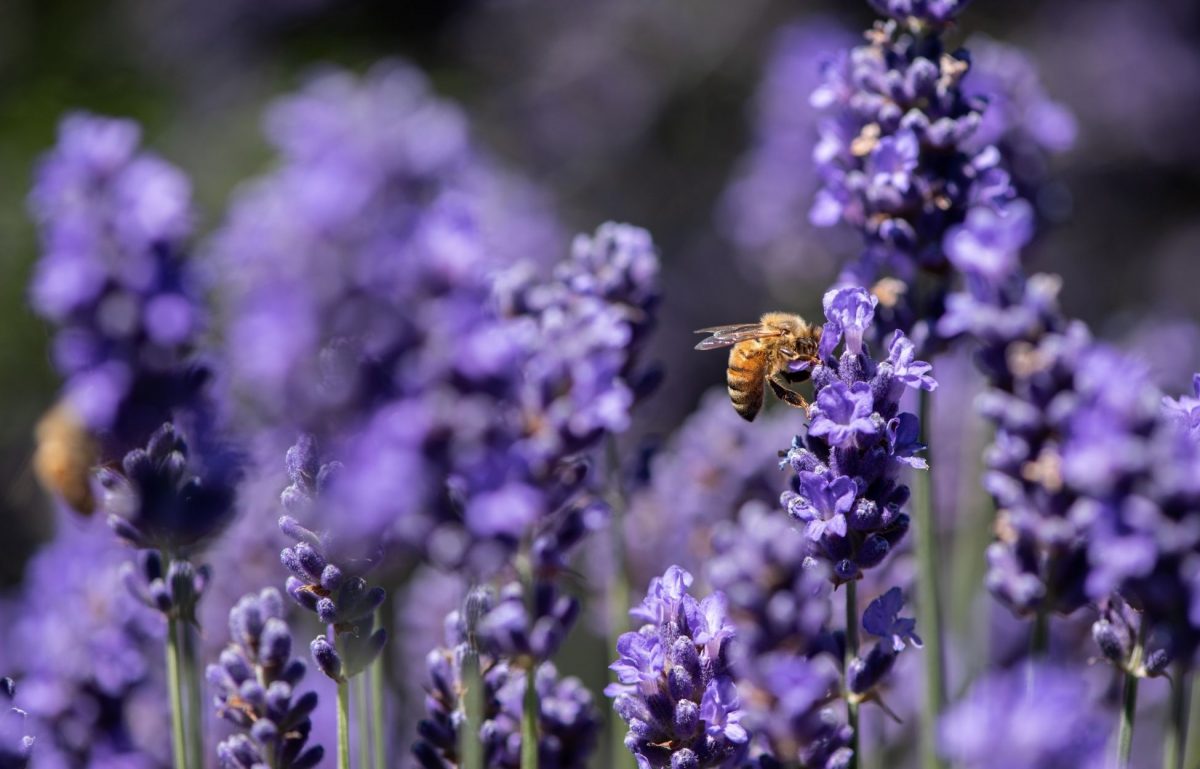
(790, 397)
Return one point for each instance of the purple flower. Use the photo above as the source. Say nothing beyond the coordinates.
(851, 311)
(905, 368)
(821, 504)
(842, 413)
(989, 242)
(674, 688)
(1039, 718)
(845, 487)
(882, 618)
(255, 684)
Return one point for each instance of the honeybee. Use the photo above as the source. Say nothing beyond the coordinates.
(65, 457)
(764, 351)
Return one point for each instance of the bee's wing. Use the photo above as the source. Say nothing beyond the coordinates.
(726, 336)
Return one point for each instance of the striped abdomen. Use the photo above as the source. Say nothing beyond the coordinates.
(745, 377)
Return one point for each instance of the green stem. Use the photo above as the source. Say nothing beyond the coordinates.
(618, 598)
(376, 676)
(529, 719)
(852, 652)
(195, 695)
(470, 744)
(175, 691)
(1128, 711)
(1177, 719)
(929, 614)
(1129, 694)
(343, 724)
(1191, 755)
(363, 724)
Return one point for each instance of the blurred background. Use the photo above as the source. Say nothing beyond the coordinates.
(653, 112)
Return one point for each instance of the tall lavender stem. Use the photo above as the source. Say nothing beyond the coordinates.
(376, 682)
(930, 605)
(195, 695)
(1177, 719)
(470, 742)
(529, 716)
(343, 723)
(852, 654)
(1129, 694)
(1191, 753)
(362, 723)
(175, 691)
(618, 593)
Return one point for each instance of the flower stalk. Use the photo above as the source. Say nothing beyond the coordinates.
(179, 752)
(930, 605)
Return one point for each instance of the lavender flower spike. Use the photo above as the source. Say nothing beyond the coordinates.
(847, 490)
(255, 684)
(15, 745)
(675, 689)
(324, 580)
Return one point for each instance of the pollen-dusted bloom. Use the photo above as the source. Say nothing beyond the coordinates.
(911, 148)
(255, 688)
(15, 744)
(568, 723)
(113, 223)
(846, 491)
(675, 689)
(1043, 717)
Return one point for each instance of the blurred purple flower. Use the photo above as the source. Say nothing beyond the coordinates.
(1042, 718)
(113, 224)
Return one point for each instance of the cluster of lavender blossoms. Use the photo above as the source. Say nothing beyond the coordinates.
(567, 721)
(255, 690)
(846, 491)
(675, 688)
(911, 144)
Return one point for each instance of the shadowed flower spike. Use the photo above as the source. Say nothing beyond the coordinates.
(16, 745)
(255, 690)
(675, 690)
(846, 487)
(113, 223)
(1038, 718)
(167, 497)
